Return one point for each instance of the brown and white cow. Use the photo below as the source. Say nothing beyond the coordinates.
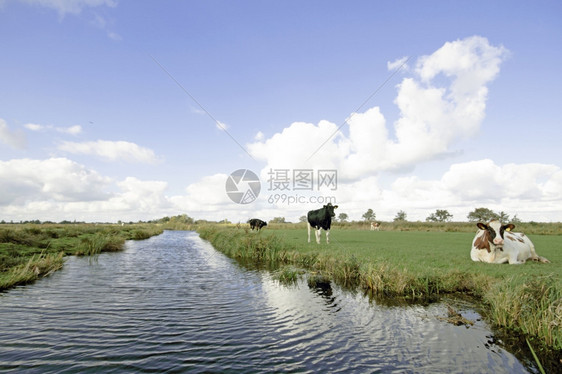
(375, 226)
(496, 244)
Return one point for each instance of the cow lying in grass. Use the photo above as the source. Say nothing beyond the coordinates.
(496, 244)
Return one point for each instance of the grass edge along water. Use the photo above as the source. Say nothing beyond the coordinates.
(522, 299)
(31, 251)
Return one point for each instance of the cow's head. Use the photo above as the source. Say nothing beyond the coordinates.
(494, 231)
(330, 209)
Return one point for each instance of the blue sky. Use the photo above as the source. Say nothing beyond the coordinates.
(108, 107)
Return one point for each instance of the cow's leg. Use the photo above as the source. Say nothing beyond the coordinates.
(536, 257)
(318, 233)
(328, 236)
(308, 225)
(513, 259)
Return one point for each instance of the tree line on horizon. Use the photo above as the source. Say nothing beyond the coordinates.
(440, 215)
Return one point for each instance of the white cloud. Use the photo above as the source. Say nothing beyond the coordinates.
(34, 127)
(259, 136)
(56, 179)
(111, 150)
(434, 114)
(72, 130)
(70, 6)
(396, 64)
(142, 196)
(207, 194)
(14, 139)
(527, 190)
(295, 144)
(58, 189)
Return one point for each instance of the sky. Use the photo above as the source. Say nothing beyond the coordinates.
(114, 110)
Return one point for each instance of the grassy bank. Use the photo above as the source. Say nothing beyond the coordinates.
(29, 252)
(417, 265)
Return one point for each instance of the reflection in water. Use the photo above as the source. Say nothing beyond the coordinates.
(173, 303)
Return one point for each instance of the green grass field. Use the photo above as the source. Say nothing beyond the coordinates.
(425, 252)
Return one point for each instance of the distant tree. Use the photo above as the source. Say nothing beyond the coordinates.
(400, 216)
(302, 219)
(439, 216)
(482, 215)
(503, 217)
(515, 219)
(343, 217)
(278, 220)
(183, 218)
(369, 215)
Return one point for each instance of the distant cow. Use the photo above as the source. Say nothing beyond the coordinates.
(256, 223)
(496, 244)
(375, 226)
(321, 219)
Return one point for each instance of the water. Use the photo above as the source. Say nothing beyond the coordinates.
(173, 304)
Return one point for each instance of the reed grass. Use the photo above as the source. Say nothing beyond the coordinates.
(25, 249)
(36, 267)
(95, 244)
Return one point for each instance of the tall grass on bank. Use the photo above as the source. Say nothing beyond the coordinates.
(93, 245)
(36, 267)
(532, 307)
(29, 246)
(403, 266)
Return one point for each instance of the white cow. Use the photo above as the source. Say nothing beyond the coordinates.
(496, 244)
(375, 226)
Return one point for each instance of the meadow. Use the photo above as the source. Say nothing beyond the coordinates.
(418, 263)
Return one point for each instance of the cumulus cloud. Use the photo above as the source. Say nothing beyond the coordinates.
(61, 189)
(207, 194)
(434, 114)
(15, 139)
(54, 179)
(111, 150)
(441, 103)
(527, 190)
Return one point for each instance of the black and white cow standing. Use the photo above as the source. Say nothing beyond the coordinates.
(321, 219)
(256, 223)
